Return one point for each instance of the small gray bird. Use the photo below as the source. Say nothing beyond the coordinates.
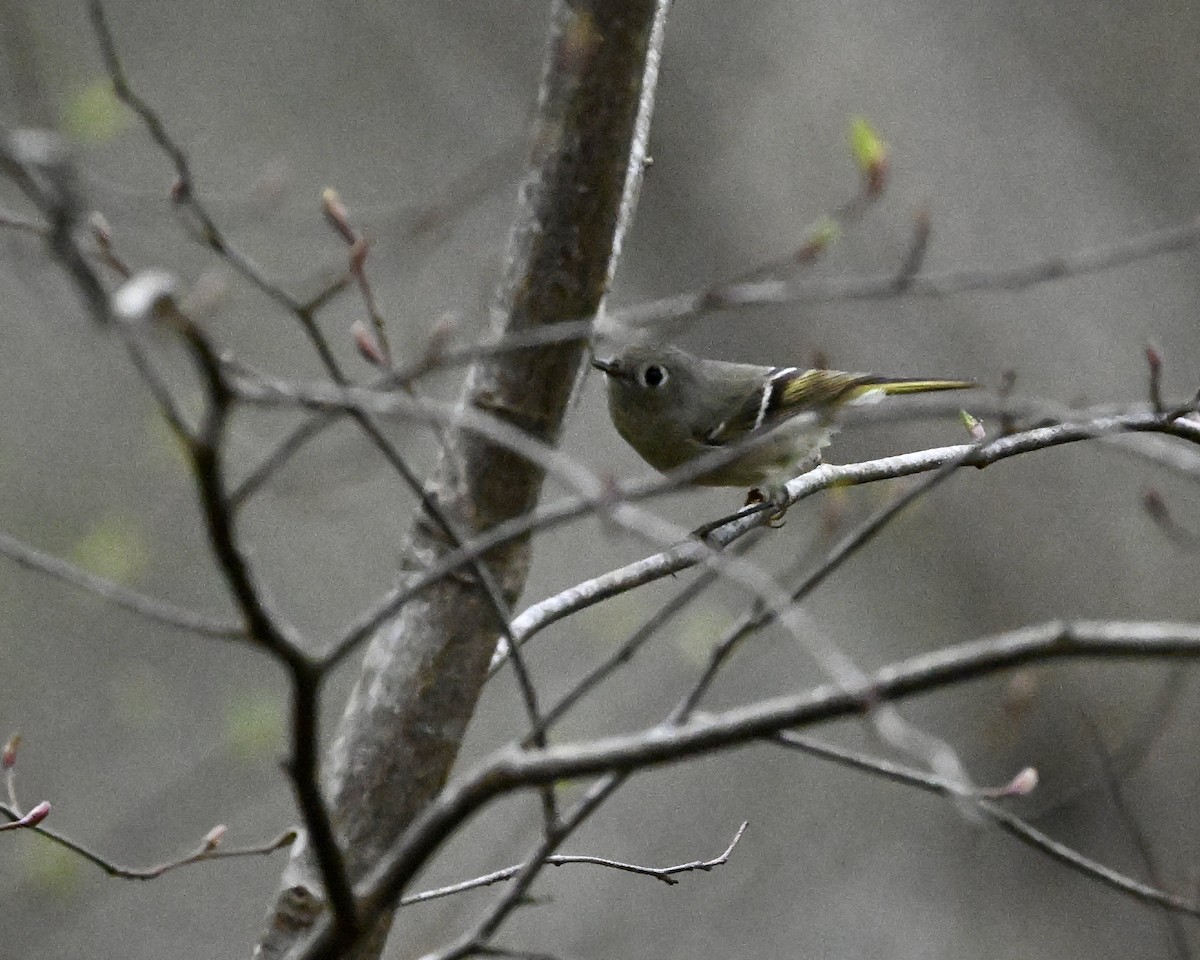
(672, 407)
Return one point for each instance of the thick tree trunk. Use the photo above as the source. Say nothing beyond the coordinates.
(422, 674)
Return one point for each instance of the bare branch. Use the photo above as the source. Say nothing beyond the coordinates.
(39, 163)
(208, 849)
(491, 950)
(688, 554)
(1008, 822)
(918, 247)
(183, 192)
(1141, 842)
(625, 651)
(151, 608)
(375, 346)
(28, 820)
(665, 874)
(1158, 511)
(817, 238)
(21, 224)
(850, 544)
(512, 768)
(205, 449)
(463, 191)
(491, 921)
(1078, 263)
(1155, 364)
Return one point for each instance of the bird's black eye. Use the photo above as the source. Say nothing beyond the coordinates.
(654, 375)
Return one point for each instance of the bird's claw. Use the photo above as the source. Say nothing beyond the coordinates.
(758, 497)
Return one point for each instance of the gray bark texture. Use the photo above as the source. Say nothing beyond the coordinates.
(423, 673)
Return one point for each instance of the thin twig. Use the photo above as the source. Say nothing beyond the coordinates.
(39, 163)
(463, 191)
(20, 224)
(1155, 364)
(665, 874)
(1156, 507)
(159, 611)
(376, 346)
(29, 820)
(205, 449)
(918, 247)
(491, 950)
(1105, 256)
(1008, 822)
(1141, 842)
(488, 925)
(208, 849)
(288, 447)
(184, 191)
(404, 378)
(817, 238)
(625, 652)
(850, 544)
(8, 762)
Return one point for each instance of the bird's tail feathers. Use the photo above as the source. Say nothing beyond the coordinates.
(886, 386)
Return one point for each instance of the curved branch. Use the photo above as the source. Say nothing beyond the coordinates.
(649, 569)
(160, 611)
(1009, 822)
(665, 874)
(1077, 263)
(512, 768)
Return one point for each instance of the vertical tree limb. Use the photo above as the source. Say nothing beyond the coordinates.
(421, 677)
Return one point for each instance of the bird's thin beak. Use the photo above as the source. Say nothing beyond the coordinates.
(608, 366)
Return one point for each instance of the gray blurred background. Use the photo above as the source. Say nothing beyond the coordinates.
(1026, 129)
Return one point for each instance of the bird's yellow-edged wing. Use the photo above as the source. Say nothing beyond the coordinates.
(788, 392)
